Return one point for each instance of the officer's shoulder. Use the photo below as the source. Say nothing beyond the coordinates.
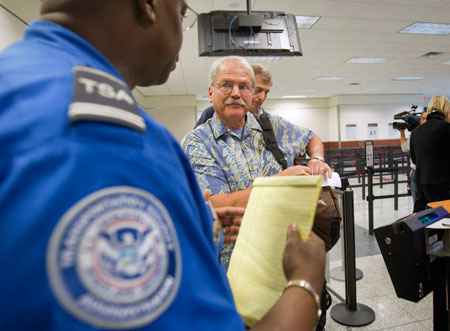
(98, 96)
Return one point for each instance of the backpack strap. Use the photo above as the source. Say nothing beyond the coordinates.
(269, 138)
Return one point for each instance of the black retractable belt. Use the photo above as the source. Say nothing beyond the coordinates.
(269, 138)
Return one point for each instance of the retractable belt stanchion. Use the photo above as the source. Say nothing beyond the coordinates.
(395, 185)
(370, 197)
(338, 273)
(350, 313)
(369, 164)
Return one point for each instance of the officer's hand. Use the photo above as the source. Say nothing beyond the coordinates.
(296, 170)
(304, 260)
(230, 218)
(319, 168)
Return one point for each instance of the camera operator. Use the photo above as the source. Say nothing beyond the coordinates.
(405, 145)
(430, 146)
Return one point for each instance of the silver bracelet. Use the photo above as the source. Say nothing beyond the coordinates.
(308, 287)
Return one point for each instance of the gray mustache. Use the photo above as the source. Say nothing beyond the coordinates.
(235, 102)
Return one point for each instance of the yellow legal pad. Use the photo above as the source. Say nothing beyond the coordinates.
(255, 272)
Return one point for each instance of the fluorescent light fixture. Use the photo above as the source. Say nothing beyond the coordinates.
(407, 78)
(293, 96)
(330, 78)
(446, 62)
(260, 59)
(306, 22)
(370, 60)
(306, 90)
(427, 28)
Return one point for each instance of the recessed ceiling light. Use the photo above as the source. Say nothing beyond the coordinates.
(293, 96)
(306, 22)
(368, 60)
(427, 28)
(446, 62)
(259, 59)
(407, 78)
(329, 78)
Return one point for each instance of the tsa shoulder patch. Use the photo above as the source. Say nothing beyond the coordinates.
(114, 259)
(101, 97)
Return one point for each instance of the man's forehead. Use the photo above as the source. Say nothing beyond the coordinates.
(261, 83)
(232, 70)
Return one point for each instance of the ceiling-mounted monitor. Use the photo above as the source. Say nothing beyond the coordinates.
(261, 33)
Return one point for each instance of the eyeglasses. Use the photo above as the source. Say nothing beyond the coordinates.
(244, 89)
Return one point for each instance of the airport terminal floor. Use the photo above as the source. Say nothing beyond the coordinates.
(375, 288)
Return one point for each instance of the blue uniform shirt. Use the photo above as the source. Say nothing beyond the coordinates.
(102, 225)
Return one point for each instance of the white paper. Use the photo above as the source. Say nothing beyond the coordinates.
(334, 181)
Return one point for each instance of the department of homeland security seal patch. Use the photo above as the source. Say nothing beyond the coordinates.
(114, 260)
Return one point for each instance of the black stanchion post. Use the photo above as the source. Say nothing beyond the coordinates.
(349, 242)
(338, 273)
(381, 174)
(369, 165)
(363, 185)
(350, 313)
(370, 198)
(395, 185)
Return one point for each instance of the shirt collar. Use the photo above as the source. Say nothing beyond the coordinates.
(219, 128)
(57, 36)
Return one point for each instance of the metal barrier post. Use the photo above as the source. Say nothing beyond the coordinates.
(370, 198)
(363, 186)
(381, 176)
(395, 185)
(338, 273)
(350, 313)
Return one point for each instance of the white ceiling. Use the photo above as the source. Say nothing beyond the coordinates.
(346, 29)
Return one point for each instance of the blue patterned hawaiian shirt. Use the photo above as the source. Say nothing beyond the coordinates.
(226, 162)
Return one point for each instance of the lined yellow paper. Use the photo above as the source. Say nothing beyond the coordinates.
(255, 272)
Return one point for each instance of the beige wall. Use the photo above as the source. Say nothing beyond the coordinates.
(179, 121)
(11, 29)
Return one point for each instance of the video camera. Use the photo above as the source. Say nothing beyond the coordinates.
(410, 119)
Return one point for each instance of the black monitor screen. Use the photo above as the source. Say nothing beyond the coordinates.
(220, 33)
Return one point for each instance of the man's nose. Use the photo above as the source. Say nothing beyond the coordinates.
(235, 92)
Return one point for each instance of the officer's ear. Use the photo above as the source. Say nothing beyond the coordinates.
(146, 10)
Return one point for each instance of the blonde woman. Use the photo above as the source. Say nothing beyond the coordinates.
(430, 151)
